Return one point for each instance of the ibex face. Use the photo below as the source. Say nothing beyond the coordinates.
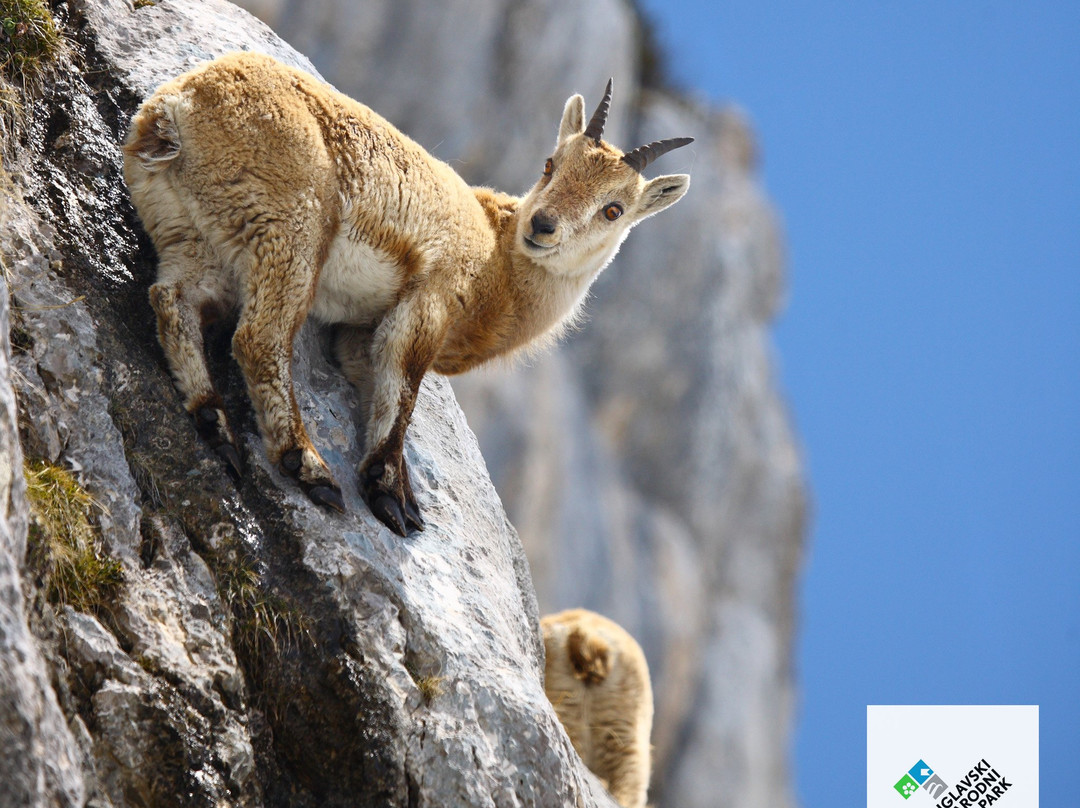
(590, 194)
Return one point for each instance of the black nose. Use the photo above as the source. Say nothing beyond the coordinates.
(543, 223)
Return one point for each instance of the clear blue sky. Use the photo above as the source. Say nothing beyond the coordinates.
(925, 158)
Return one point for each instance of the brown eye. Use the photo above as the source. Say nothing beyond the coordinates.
(613, 211)
(548, 168)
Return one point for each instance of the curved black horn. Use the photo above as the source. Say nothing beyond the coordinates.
(643, 155)
(596, 126)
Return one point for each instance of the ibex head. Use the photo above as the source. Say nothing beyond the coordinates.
(591, 193)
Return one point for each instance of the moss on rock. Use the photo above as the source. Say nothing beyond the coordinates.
(63, 547)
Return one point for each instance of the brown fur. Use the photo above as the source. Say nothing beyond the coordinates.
(266, 190)
(597, 680)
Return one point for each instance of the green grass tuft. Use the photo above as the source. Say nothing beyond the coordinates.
(263, 623)
(430, 686)
(28, 38)
(64, 549)
(29, 42)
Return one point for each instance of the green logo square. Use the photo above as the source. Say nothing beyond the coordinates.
(906, 786)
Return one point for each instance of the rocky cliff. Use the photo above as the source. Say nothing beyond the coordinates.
(261, 652)
(243, 647)
(649, 465)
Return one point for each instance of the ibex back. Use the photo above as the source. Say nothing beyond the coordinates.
(264, 189)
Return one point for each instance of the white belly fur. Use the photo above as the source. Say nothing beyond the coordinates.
(357, 284)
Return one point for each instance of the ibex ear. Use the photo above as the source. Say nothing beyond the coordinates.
(573, 117)
(663, 192)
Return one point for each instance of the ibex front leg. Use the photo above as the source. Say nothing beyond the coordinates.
(405, 345)
(263, 345)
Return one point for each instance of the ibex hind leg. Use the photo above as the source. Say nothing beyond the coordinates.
(190, 284)
(352, 348)
(280, 282)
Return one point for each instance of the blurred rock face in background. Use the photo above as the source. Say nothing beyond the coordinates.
(649, 463)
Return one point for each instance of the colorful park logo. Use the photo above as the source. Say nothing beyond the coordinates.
(981, 787)
(920, 775)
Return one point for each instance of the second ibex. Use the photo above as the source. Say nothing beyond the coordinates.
(264, 189)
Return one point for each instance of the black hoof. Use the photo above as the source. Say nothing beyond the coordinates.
(328, 496)
(291, 461)
(388, 511)
(212, 428)
(412, 516)
(206, 420)
(228, 453)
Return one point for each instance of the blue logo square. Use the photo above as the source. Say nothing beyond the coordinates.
(920, 772)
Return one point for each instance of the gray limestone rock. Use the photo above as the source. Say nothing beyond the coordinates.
(38, 754)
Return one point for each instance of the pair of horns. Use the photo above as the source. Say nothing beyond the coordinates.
(641, 156)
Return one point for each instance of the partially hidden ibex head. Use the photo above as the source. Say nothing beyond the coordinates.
(590, 193)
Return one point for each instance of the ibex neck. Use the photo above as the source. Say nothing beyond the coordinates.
(516, 302)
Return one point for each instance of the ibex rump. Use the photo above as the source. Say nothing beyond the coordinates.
(596, 677)
(265, 189)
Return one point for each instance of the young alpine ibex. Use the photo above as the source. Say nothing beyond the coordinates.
(263, 188)
(596, 678)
